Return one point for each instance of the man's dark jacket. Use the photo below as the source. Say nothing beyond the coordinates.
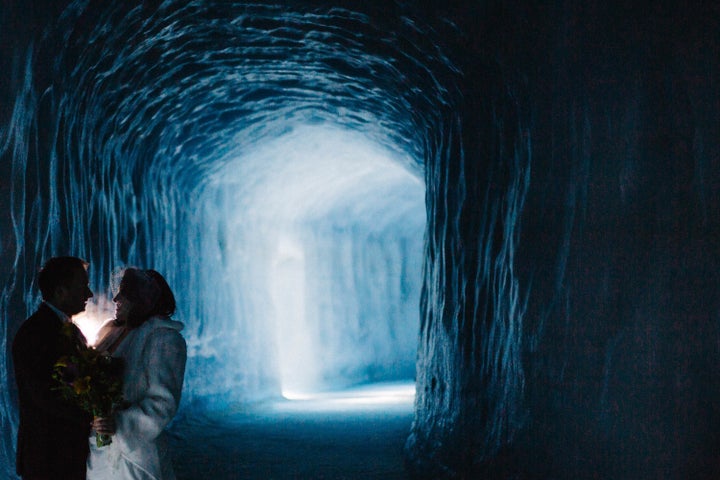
(53, 435)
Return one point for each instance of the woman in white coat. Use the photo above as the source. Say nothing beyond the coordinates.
(154, 353)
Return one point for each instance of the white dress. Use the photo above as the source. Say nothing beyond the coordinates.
(155, 355)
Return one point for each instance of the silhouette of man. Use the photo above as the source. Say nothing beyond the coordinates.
(53, 435)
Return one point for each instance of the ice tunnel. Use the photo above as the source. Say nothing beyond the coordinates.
(513, 205)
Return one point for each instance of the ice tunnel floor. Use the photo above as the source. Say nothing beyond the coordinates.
(355, 434)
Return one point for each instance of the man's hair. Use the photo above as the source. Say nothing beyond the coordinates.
(57, 272)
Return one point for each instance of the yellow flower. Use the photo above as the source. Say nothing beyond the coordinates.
(62, 361)
(82, 385)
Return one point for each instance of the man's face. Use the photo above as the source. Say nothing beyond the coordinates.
(72, 297)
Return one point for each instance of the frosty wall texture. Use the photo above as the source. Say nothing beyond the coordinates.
(572, 203)
(569, 313)
(605, 257)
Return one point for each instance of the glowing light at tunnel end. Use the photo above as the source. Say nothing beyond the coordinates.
(387, 394)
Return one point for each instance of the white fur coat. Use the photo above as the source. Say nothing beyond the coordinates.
(155, 355)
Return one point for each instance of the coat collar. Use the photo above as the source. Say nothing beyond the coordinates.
(60, 314)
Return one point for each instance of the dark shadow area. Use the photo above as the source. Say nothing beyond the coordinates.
(309, 439)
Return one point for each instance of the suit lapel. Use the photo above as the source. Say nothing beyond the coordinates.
(78, 339)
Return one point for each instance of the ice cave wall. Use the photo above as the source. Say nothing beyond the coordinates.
(570, 153)
(570, 318)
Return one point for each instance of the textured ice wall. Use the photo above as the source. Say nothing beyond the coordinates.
(470, 387)
(570, 318)
(619, 246)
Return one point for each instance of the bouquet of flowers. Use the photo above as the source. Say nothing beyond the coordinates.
(92, 381)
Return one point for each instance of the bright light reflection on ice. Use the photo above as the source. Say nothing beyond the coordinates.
(295, 344)
(97, 311)
(401, 394)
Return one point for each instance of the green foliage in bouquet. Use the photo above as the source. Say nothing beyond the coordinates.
(92, 381)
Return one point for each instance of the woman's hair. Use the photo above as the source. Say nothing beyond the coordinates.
(149, 292)
(165, 303)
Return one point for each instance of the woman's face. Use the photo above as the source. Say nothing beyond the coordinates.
(132, 302)
(123, 306)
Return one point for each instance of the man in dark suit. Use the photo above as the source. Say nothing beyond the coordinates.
(53, 435)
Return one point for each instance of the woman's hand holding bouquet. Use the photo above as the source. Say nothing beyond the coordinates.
(93, 381)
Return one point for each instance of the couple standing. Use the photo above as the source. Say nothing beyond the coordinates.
(54, 437)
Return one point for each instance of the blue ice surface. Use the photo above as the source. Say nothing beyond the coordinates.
(357, 433)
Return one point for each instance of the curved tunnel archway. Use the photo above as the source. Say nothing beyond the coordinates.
(161, 112)
(269, 159)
